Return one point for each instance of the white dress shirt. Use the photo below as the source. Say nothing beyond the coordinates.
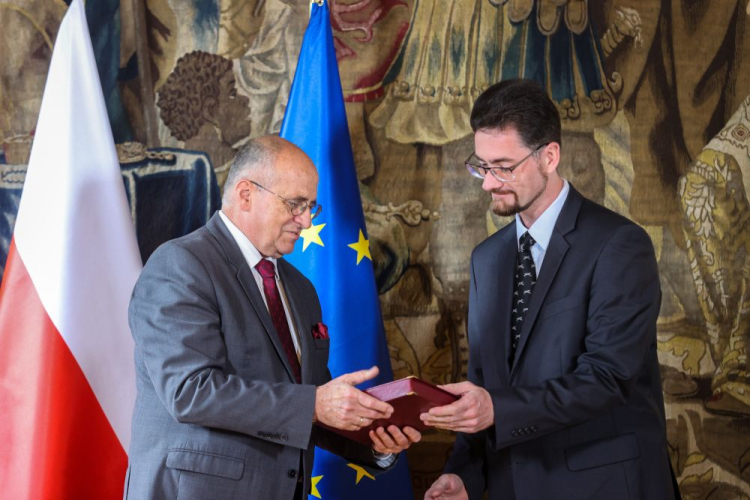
(253, 256)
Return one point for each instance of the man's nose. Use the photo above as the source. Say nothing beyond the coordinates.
(304, 219)
(490, 182)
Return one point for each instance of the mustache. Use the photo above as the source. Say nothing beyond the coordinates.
(502, 191)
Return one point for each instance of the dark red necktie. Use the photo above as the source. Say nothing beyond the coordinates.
(276, 308)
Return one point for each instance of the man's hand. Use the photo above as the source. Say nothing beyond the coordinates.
(393, 440)
(339, 404)
(447, 487)
(472, 413)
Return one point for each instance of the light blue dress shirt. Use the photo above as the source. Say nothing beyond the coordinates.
(541, 229)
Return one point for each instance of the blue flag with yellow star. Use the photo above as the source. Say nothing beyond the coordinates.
(334, 252)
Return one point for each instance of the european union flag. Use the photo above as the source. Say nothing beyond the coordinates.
(334, 253)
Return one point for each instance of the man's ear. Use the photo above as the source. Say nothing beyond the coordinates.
(551, 155)
(243, 192)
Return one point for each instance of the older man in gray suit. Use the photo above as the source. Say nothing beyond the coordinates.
(231, 355)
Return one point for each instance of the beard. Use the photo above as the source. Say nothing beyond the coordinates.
(503, 208)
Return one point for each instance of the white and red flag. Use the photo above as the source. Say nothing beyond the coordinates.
(67, 383)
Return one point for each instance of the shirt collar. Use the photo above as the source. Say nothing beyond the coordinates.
(541, 229)
(251, 254)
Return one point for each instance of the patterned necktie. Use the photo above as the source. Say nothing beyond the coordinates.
(522, 288)
(276, 308)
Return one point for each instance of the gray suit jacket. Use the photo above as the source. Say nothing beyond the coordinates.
(579, 412)
(218, 414)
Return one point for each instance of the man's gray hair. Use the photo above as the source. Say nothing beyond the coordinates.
(254, 161)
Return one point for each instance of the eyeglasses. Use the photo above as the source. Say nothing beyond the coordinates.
(503, 174)
(296, 207)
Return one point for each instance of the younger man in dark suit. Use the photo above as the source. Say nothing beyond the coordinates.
(564, 397)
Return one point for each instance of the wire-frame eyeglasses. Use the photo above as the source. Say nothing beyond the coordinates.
(478, 168)
(295, 207)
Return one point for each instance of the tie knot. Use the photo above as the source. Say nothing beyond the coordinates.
(266, 269)
(526, 242)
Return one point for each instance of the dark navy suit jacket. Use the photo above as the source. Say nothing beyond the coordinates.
(579, 411)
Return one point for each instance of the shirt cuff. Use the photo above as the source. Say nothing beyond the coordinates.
(383, 460)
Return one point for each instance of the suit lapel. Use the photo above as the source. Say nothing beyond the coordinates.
(293, 295)
(245, 276)
(501, 269)
(558, 247)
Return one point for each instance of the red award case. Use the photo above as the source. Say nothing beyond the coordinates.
(409, 397)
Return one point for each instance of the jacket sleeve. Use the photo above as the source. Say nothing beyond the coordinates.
(468, 459)
(175, 320)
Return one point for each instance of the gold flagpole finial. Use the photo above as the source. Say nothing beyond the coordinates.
(319, 4)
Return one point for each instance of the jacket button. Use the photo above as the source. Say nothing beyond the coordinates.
(291, 473)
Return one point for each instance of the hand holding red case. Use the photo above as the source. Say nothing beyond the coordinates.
(410, 397)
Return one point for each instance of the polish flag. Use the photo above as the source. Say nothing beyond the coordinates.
(67, 383)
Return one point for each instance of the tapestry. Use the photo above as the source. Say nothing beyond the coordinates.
(655, 101)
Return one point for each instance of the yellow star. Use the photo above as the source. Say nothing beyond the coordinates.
(362, 247)
(315, 480)
(360, 471)
(312, 235)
